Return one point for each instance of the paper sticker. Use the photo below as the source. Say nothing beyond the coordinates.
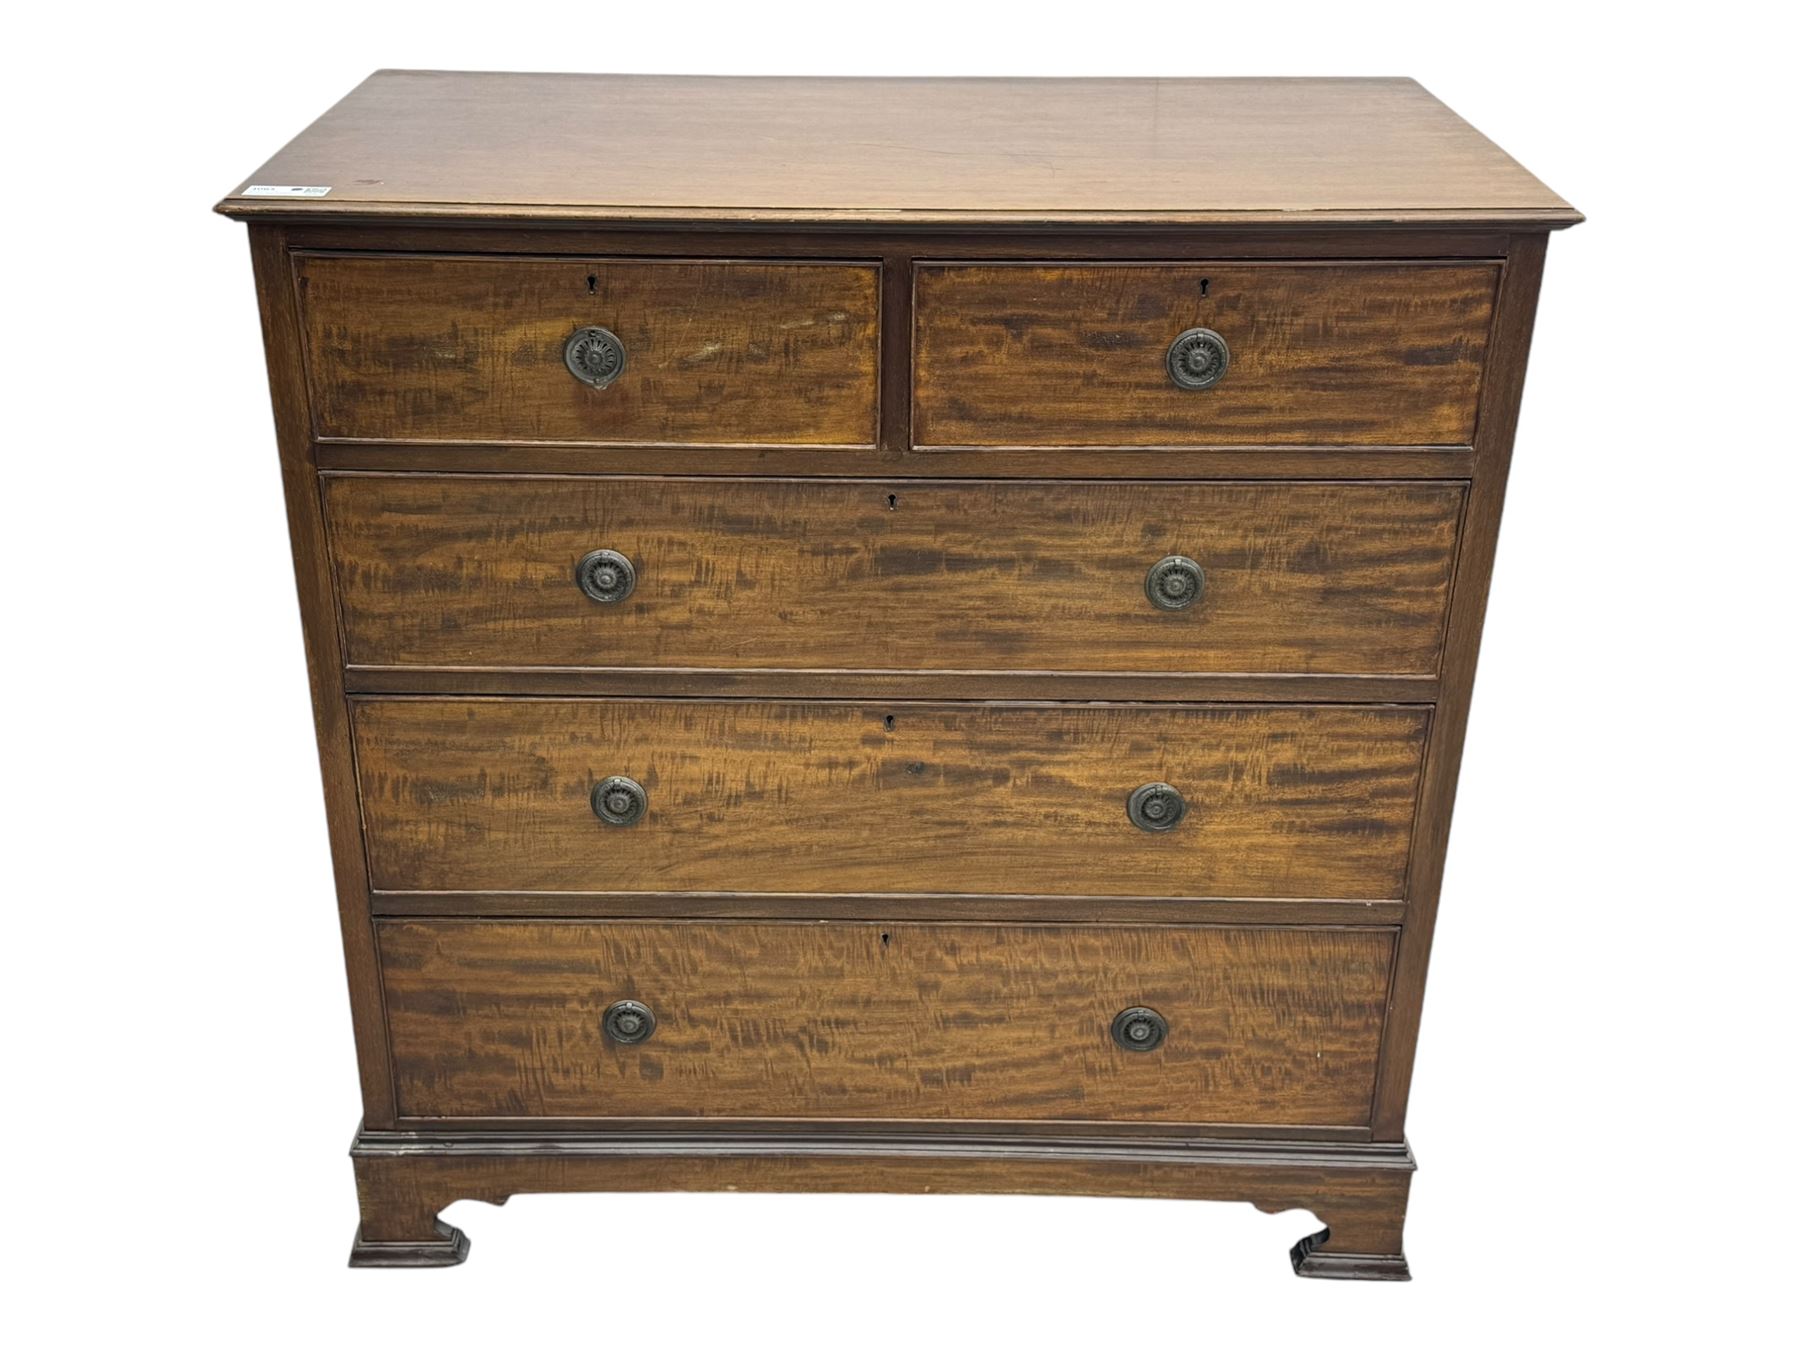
(275, 190)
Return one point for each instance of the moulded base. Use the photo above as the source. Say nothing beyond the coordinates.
(405, 1178)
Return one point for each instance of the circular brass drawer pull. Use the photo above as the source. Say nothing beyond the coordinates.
(619, 801)
(1174, 583)
(1156, 807)
(1198, 359)
(1139, 1029)
(606, 576)
(594, 355)
(629, 1022)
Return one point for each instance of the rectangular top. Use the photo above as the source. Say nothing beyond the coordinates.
(618, 148)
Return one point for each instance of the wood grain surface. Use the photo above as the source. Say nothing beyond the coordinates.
(497, 1018)
(492, 795)
(717, 352)
(1293, 152)
(1304, 578)
(1329, 354)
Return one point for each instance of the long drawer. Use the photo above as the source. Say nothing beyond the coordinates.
(666, 795)
(1288, 578)
(1200, 354)
(645, 352)
(1242, 1025)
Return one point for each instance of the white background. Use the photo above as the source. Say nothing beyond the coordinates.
(1601, 1110)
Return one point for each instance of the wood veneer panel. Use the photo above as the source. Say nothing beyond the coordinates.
(413, 143)
(717, 352)
(1275, 1025)
(1307, 578)
(1074, 355)
(492, 794)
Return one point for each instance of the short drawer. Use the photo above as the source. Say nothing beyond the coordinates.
(1089, 355)
(510, 1018)
(511, 795)
(1294, 578)
(694, 353)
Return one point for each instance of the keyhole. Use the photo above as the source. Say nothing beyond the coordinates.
(893, 501)
(594, 283)
(1205, 286)
(888, 721)
(884, 939)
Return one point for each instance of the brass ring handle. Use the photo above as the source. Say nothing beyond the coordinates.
(1174, 583)
(1139, 1029)
(606, 576)
(1198, 359)
(619, 801)
(1156, 807)
(594, 355)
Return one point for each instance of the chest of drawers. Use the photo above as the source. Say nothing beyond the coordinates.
(891, 635)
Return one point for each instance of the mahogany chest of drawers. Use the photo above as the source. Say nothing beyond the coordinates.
(891, 635)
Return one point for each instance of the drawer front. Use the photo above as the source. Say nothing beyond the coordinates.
(469, 794)
(457, 349)
(1328, 354)
(1303, 578)
(1276, 1026)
